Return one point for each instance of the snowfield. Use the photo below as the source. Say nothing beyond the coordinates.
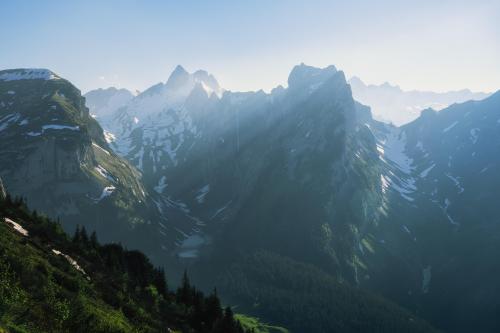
(398, 176)
(29, 74)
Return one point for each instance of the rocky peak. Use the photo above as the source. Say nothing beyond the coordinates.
(209, 82)
(179, 77)
(356, 81)
(427, 113)
(182, 82)
(303, 75)
(104, 102)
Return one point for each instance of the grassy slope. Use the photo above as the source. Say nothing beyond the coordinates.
(118, 291)
(40, 288)
(252, 323)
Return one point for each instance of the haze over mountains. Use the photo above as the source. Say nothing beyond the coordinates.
(384, 225)
(391, 104)
(288, 201)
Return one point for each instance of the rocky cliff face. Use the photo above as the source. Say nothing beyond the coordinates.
(55, 155)
(438, 232)
(239, 171)
(300, 174)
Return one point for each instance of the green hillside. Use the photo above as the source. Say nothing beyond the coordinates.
(51, 283)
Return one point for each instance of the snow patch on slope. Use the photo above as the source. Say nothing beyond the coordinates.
(106, 192)
(54, 127)
(109, 137)
(105, 173)
(398, 175)
(447, 204)
(100, 148)
(72, 262)
(393, 149)
(424, 173)
(450, 127)
(202, 192)
(455, 182)
(28, 74)
(474, 135)
(17, 227)
(162, 184)
(7, 120)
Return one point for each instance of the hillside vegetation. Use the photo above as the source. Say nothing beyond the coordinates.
(51, 283)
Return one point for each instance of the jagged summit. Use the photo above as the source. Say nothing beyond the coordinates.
(303, 75)
(103, 102)
(28, 74)
(180, 83)
(209, 82)
(179, 69)
(390, 86)
(356, 80)
(391, 104)
(178, 77)
(357, 83)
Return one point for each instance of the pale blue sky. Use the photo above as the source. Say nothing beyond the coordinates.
(248, 45)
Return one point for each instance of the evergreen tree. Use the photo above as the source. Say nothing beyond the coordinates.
(213, 309)
(93, 240)
(77, 236)
(185, 291)
(227, 324)
(198, 313)
(160, 282)
(84, 237)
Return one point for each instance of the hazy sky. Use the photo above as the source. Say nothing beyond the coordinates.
(248, 45)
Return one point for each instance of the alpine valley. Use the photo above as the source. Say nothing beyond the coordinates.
(296, 204)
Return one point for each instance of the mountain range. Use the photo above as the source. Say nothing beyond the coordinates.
(297, 204)
(54, 154)
(391, 104)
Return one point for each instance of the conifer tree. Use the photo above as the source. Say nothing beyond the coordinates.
(213, 309)
(93, 240)
(84, 237)
(77, 236)
(184, 291)
(160, 282)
